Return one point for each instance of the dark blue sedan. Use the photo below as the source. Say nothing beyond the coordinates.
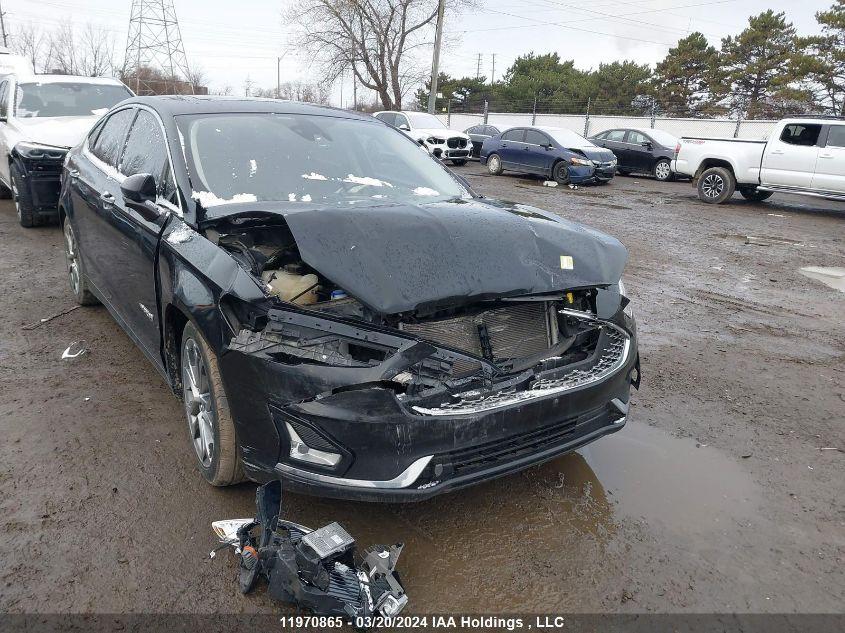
(555, 153)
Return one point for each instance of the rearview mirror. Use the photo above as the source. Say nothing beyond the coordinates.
(139, 193)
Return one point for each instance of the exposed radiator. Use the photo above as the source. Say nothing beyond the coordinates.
(514, 331)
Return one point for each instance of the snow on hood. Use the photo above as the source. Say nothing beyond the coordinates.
(400, 257)
(61, 131)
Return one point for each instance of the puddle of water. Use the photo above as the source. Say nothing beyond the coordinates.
(833, 277)
(536, 540)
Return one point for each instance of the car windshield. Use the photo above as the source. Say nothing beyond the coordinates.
(424, 120)
(664, 138)
(567, 138)
(39, 99)
(254, 157)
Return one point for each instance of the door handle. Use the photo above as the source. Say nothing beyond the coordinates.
(825, 155)
(778, 152)
(73, 173)
(107, 198)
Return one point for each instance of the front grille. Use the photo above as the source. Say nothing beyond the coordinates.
(456, 142)
(514, 331)
(488, 455)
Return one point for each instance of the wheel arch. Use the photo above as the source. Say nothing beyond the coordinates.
(707, 163)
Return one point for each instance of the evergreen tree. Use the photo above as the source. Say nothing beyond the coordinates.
(619, 88)
(822, 62)
(684, 81)
(758, 65)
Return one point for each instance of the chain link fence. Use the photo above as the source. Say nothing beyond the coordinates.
(591, 117)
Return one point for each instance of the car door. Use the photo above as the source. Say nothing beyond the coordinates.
(536, 158)
(639, 151)
(510, 148)
(830, 166)
(95, 186)
(614, 140)
(789, 159)
(133, 274)
(4, 130)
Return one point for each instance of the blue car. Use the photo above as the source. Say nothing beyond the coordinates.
(554, 153)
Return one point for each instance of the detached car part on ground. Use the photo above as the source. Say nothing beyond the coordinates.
(554, 153)
(430, 132)
(318, 570)
(335, 307)
(41, 117)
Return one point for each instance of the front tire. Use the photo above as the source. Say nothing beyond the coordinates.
(494, 165)
(75, 273)
(663, 170)
(210, 426)
(560, 173)
(458, 162)
(755, 195)
(23, 201)
(716, 185)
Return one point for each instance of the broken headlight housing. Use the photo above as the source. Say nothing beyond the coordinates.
(628, 310)
(38, 151)
(581, 161)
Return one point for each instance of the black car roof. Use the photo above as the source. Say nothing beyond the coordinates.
(174, 105)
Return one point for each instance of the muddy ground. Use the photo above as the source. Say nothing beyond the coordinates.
(715, 497)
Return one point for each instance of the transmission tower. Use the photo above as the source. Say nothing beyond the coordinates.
(155, 61)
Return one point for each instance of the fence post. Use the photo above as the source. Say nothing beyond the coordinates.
(485, 111)
(534, 111)
(587, 120)
(653, 111)
(449, 112)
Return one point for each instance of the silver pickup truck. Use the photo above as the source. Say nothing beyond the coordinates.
(802, 155)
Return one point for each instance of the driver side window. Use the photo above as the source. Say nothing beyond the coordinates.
(146, 152)
(401, 120)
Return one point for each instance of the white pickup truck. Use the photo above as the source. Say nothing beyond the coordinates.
(802, 155)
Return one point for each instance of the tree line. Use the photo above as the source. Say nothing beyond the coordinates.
(766, 71)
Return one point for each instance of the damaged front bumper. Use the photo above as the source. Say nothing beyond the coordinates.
(385, 445)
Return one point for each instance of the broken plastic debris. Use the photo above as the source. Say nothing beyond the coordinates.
(74, 350)
(573, 186)
(317, 570)
(549, 183)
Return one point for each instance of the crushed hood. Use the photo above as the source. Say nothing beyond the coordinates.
(597, 153)
(64, 131)
(402, 257)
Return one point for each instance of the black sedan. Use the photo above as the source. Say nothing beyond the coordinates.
(480, 133)
(644, 151)
(336, 308)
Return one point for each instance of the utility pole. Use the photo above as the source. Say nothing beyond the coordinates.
(278, 78)
(3, 25)
(493, 72)
(435, 58)
(478, 68)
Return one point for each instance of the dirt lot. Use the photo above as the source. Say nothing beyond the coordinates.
(715, 497)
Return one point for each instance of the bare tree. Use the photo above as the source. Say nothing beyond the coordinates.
(62, 54)
(29, 42)
(95, 52)
(375, 38)
(196, 77)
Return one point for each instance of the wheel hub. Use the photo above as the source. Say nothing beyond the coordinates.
(713, 186)
(198, 402)
(71, 258)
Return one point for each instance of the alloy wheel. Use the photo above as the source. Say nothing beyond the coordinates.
(71, 258)
(662, 171)
(493, 164)
(198, 402)
(16, 199)
(713, 186)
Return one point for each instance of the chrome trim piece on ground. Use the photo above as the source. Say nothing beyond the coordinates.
(402, 480)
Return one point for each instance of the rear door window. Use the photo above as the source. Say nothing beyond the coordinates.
(617, 136)
(109, 144)
(513, 135)
(635, 138)
(801, 134)
(836, 137)
(533, 137)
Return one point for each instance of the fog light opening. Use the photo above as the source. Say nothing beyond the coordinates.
(300, 451)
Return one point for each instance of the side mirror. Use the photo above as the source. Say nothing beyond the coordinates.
(139, 193)
(404, 127)
(549, 147)
(646, 144)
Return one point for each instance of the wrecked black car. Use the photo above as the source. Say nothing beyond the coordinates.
(335, 307)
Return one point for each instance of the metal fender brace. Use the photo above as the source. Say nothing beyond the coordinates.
(318, 570)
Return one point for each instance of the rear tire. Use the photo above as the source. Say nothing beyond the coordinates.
(494, 164)
(210, 426)
(755, 195)
(663, 170)
(23, 201)
(560, 173)
(716, 185)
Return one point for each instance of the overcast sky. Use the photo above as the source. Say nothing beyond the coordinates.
(235, 40)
